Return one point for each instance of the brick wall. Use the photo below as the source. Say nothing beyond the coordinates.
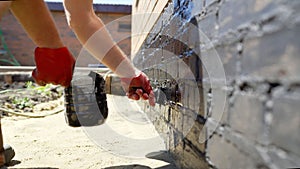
(256, 44)
(21, 46)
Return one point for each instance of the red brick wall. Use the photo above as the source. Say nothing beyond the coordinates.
(17, 40)
(22, 47)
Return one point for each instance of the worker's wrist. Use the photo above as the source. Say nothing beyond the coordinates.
(126, 70)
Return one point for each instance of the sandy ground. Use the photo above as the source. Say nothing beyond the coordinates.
(50, 143)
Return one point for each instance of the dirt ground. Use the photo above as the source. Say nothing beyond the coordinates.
(49, 143)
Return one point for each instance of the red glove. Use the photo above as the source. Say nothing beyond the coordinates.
(53, 66)
(139, 87)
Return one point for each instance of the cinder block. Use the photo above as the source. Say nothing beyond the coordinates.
(293, 4)
(234, 13)
(228, 56)
(208, 26)
(176, 120)
(224, 155)
(225, 105)
(247, 116)
(183, 36)
(175, 141)
(184, 89)
(206, 87)
(172, 68)
(217, 105)
(193, 160)
(152, 59)
(230, 59)
(210, 2)
(285, 126)
(191, 96)
(168, 12)
(268, 56)
(194, 36)
(198, 7)
(192, 132)
(282, 159)
(177, 154)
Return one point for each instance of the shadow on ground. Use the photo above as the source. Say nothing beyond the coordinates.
(31, 168)
(136, 166)
(16, 162)
(162, 155)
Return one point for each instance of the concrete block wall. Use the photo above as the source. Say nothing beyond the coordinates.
(257, 42)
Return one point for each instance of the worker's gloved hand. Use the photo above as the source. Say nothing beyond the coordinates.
(139, 87)
(53, 66)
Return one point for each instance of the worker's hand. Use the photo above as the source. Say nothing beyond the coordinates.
(139, 87)
(53, 66)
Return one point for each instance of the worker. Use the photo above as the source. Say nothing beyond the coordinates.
(90, 30)
(54, 62)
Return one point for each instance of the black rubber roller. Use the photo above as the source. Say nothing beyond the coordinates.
(85, 101)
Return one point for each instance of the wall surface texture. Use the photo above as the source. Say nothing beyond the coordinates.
(228, 76)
